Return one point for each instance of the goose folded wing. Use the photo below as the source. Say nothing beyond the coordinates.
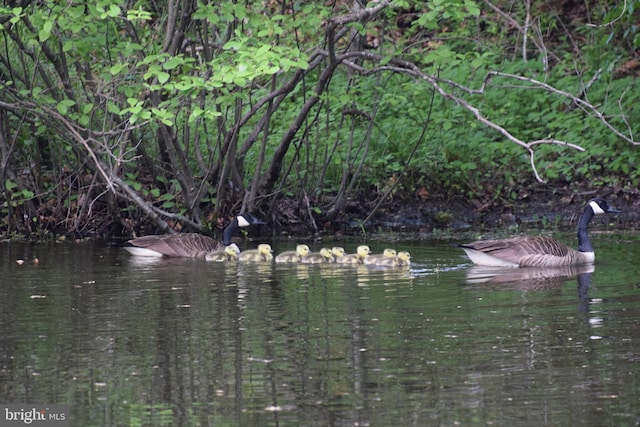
(191, 245)
(517, 248)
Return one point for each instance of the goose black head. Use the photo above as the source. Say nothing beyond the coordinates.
(246, 219)
(242, 220)
(600, 206)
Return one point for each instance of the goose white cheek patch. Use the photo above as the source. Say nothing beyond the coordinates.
(596, 208)
(242, 222)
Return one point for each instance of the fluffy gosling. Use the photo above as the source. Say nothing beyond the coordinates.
(324, 256)
(293, 256)
(262, 254)
(229, 253)
(361, 253)
(375, 259)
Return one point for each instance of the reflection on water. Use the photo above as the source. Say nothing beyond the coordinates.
(130, 341)
(530, 278)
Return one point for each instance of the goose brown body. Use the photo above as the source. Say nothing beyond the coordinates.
(188, 245)
(529, 251)
(539, 251)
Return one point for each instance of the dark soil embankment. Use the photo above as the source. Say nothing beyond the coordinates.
(437, 217)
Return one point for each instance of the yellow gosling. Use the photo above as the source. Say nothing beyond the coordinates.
(293, 256)
(262, 254)
(361, 253)
(229, 253)
(337, 251)
(324, 256)
(374, 259)
(404, 258)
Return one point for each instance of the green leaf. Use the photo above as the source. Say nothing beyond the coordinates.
(117, 68)
(472, 8)
(172, 63)
(138, 14)
(17, 15)
(63, 106)
(45, 31)
(163, 77)
(10, 185)
(114, 11)
(113, 108)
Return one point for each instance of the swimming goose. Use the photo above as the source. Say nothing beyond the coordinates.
(324, 256)
(262, 254)
(293, 256)
(539, 251)
(374, 259)
(188, 245)
(361, 253)
(228, 253)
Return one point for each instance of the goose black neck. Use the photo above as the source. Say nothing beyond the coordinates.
(229, 231)
(584, 245)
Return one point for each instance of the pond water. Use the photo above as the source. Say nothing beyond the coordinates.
(178, 342)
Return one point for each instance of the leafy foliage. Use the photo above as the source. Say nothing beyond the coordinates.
(185, 111)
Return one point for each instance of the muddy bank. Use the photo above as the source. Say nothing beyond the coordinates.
(412, 216)
(435, 217)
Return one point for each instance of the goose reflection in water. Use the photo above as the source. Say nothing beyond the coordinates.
(584, 281)
(530, 278)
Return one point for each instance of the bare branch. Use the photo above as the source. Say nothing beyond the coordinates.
(579, 102)
(409, 68)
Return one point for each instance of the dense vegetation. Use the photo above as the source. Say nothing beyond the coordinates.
(125, 117)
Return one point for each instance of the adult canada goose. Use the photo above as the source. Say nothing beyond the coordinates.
(374, 259)
(262, 254)
(188, 245)
(293, 256)
(228, 253)
(539, 251)
(361, 253)
(324, 256)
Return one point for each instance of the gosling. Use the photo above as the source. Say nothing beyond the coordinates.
(361, 253)
(375, 259)
(262, 254)
(403, 259)
(337, 251)
(324, 256)
(229, 253)
(293, 256)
